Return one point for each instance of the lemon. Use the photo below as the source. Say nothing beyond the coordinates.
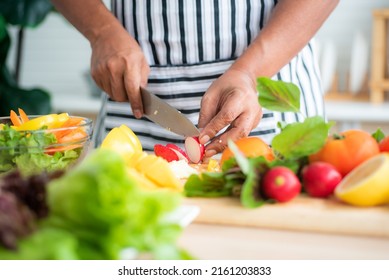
(367, 184)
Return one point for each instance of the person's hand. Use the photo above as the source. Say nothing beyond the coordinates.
(119, 67)
(231, 101)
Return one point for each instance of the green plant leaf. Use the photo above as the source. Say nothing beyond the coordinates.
(378, 135)
(25, 13)
(5, 42)
(240, 157)
(278, 95)
(33, 101)
(301, 139)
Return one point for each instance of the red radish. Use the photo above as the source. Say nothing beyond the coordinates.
(165, 152)
(320, 179)
(194, 149)
(180, 153)
(281, 184)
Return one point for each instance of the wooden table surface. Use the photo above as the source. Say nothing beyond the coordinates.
(210, 242)
(313, 230)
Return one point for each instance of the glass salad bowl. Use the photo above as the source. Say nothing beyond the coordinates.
(46, 143)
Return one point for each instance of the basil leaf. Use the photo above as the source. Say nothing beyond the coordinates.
(302, 139)
(278, 95)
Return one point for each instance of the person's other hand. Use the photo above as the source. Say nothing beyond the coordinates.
(231, 101)
(119, 67)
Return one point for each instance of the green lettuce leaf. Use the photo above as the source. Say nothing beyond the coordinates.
(45, 244)
(99, 203)
(26, 151)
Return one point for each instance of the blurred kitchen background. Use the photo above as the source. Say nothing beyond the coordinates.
(56, 57)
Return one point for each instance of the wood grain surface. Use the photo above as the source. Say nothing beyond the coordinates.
(301, 214)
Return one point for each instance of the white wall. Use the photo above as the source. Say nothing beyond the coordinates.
(349, 18)
(56, 56)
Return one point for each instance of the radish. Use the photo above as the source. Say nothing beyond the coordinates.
(194, 149)
(320, 179)
(281, 184)
(180, 153)
(165, 152)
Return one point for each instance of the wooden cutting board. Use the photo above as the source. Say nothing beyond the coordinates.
(303, 214)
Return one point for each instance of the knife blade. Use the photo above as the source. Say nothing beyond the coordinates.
(168, 117)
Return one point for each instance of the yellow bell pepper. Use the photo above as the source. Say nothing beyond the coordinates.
(124, 141)
(50, 121)
(1, 126)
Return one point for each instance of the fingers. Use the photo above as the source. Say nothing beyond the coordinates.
(239, 113)
(231, 107)
(239, 128)
(132, 86)
(208, 109)
(118, 91)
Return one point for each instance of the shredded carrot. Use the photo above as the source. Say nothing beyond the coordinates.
(23, 116)
(71, 122)
(76, 134)
(15, 119)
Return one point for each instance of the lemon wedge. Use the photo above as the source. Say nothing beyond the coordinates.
(367, 184)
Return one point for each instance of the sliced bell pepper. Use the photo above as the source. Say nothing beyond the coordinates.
(15, 118)
(124, 141)
(76, 134)
(71, 122)
(50, 121)
(23, 116)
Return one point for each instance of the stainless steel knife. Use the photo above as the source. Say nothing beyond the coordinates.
(160, 112)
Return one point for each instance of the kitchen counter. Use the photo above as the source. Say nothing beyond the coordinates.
(223, 242)
(304, 228)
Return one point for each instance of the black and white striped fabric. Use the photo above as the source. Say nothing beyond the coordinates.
(189, 44)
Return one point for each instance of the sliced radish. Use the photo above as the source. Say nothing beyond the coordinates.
(180, 153)
(194, 149)
(165, 152)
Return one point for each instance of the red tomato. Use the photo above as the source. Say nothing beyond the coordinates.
(384, 145)
(347, 150)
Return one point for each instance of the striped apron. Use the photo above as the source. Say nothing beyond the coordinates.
(189, 44)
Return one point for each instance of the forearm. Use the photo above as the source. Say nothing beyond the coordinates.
(90, 17)
(291, 26)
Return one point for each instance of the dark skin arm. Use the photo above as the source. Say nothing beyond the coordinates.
(292, 24)
(118, 64)
(119, 67)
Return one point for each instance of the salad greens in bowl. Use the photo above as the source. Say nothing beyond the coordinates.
(34, 144)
